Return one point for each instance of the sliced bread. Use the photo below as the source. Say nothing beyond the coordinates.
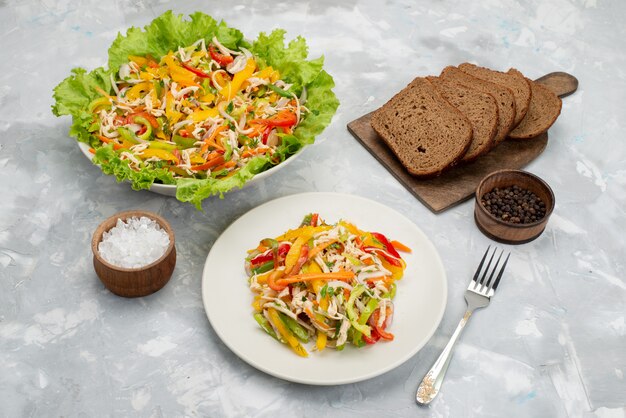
(423, 130)
(481, 110)
(545, 107)
(514, 81)
(503, 95)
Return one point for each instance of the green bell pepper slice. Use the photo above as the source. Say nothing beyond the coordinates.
(161, 145)
(143, 121)
(356, 292)
(99, 102)
(265, 325)
(279, 91)
(295, 328)
(184, 143)
(365, 316)
(392, 291)
(264, 268)
(127, 135)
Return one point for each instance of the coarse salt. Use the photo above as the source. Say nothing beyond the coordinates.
(134, 243)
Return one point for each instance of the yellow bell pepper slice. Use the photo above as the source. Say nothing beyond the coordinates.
(196, 158)
(202, 115)
(257, 303)
(198, 54)
(318, 284)
(268, 73)
(303, 230)
(231, 89)
(396, 272)
(294, 252)
(140, 61)
(159, 153)
(136, 91)
(285, 333)
(320, 342)
(209, 97)
(155, 99)
(160, 72)
(262, 278)
(351, 228)
(172, 114)
(179, 74)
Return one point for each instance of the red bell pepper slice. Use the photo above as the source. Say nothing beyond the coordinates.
(196, 71)
(375, 336)
(383, 240)
(391, 260)
(314, 219)
(220, 58)
(380, 330)
(283, 249)
(266, 134)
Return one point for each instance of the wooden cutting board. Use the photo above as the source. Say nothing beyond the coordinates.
(459, 184)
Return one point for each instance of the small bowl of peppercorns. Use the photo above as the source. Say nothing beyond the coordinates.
(513, 206)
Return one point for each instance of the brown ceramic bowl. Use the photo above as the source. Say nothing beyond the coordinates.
(134, 282)
(510, 233)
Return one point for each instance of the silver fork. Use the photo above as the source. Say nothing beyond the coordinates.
(478, 294)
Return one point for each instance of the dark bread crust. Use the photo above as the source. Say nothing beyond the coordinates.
(515, 81)
(481, 110)
(545, 108)
(425, 132)
(503, 95)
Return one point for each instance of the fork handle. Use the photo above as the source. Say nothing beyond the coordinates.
(429, 388)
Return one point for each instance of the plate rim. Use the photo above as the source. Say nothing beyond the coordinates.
(391, 366)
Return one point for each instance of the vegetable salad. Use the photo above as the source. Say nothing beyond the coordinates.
(191, 103)
(201, 111)
(333, 284)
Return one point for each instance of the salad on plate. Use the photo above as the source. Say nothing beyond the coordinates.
(193, 104)
(333, 284)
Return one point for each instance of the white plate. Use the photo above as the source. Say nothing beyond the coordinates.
(419, 304)
(170, 190)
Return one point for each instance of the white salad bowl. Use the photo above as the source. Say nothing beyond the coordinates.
(170, 189)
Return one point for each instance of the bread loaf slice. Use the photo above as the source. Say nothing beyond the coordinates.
(481, 110)
(514, 81)
(425, 132)
(545, 107)
(503, 95)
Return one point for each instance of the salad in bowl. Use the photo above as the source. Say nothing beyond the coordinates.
(191, 105)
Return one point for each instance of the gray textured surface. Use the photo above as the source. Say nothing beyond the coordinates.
(553, 342)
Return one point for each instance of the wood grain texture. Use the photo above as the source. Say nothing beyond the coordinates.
(134, 282)
(562, 84)
(459, 183)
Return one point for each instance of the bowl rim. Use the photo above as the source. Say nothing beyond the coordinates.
(524, 173)
(99, 232)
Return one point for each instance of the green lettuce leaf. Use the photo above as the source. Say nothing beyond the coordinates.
(73, 95)
(166, 33)
(111, 164)
(194, 191)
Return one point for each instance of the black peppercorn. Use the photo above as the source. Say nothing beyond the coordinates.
(514, 204)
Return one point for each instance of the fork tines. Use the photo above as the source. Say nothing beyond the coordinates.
(479, 280)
